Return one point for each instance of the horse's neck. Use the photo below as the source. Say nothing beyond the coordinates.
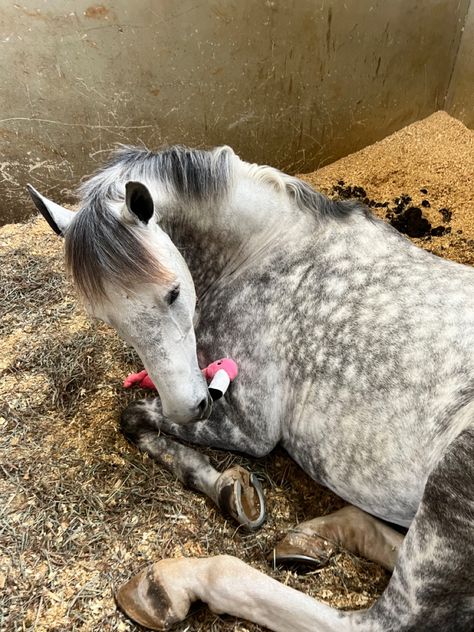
(206, 252)
(218, 242)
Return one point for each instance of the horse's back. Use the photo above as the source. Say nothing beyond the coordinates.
(386, 355)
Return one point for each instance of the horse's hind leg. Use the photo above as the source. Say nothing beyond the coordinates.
(313, 542)
(432, 586)
(235, 491)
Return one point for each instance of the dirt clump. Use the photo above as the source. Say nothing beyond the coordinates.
(418, 179)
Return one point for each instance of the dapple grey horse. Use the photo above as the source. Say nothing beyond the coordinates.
(356, 354)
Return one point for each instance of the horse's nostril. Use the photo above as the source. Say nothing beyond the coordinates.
(203, 405)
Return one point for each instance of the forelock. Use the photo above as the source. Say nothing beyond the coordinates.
(101, 248)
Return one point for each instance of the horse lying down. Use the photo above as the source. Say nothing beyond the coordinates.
(367, 344)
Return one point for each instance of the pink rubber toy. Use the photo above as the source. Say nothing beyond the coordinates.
(228, 365)
(143, 380)
(139, 379)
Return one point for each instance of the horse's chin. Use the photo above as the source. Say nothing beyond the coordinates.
(189, 418)
(183, 421)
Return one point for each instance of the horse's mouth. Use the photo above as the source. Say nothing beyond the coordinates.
(206, 413)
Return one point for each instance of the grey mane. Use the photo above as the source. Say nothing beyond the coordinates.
(100, 246)
(321, 206)
(193, 174)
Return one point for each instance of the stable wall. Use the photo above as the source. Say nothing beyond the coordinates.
(293, 83)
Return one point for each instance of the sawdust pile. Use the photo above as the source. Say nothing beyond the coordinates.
(428, 166)
(81, 509)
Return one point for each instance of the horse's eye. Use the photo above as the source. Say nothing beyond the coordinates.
(172, 295)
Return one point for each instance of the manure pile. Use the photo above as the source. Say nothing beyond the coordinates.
(81, 510)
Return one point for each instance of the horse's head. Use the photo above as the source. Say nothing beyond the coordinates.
(130, 275)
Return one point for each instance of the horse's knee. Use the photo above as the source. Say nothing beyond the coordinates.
(137, 419)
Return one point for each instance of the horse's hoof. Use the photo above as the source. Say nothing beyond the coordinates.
(240, 495)
(302, 552)
(144, 599)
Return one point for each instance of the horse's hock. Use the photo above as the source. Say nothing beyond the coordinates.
(83, 510)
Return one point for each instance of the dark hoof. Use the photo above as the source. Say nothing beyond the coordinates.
(240, 495)
(302, 552)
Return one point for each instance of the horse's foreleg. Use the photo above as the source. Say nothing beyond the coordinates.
(161, 595)
(217, 432)
(235, 491)
(313, 542)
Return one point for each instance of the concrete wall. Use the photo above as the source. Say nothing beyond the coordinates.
(294, 83)
(460, 100)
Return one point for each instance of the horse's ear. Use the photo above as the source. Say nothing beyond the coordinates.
(57, 217)
(139, 201)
